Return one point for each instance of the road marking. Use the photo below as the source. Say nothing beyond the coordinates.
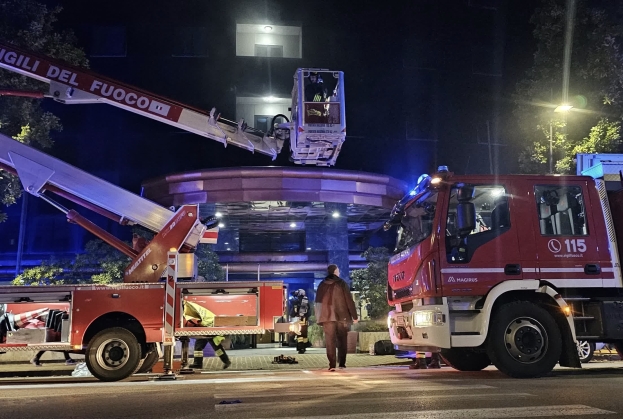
(487, 413)
(344, 390)
(99, 384)
(358, 401)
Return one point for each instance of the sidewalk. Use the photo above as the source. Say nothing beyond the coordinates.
(241, 359)
(261, 360)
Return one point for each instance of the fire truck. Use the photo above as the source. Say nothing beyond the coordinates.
(123, 328)
(508, 270)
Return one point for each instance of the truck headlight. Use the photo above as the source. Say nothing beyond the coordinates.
(423, 318)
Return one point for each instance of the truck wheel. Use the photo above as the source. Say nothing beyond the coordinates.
(524, 340)
(113, 354)
(465, 359)
(148, 363)
(585, 351)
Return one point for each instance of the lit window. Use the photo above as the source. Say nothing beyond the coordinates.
(257, 40)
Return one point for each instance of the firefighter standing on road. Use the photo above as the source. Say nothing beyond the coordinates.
(300, 312)
(216, 342)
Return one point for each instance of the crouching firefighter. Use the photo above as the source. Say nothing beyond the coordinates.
(300, 313)
(216, 342)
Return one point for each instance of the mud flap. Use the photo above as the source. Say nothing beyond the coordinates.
(569, 356)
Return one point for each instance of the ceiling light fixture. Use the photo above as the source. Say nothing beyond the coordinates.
(292, 225)
(268, 28)
(335, 214)
(221, 225)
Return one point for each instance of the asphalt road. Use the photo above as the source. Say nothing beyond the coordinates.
(380, 392)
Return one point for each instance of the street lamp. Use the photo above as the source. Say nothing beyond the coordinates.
(559, 109)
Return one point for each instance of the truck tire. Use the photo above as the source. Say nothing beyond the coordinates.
(148, 363)
(586, 350)
(524, 340)
(113, 354)
(465, 359)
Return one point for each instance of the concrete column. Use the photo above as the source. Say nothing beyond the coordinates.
(331, 236)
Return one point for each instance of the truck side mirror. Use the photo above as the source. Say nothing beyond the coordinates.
(465, 217)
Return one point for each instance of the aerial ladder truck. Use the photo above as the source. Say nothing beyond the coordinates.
(122, 328)
(315, 130)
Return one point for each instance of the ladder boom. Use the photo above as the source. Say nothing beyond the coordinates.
(38, 170)
(74, 85)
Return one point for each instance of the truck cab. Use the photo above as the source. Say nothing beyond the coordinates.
(495, 268)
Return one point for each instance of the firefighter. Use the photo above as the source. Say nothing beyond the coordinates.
(315, 91)
(300, 312)
(419, 363)
(216, 342)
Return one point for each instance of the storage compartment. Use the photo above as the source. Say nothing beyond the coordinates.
(220, 321)
(29, 336)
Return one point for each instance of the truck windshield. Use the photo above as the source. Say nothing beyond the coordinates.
(417, 222)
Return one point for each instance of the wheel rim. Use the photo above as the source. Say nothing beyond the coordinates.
(113, 354)
(526, 340)
(584, 349)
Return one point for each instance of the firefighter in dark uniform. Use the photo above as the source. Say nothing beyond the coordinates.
(216, 342)
(300, 313)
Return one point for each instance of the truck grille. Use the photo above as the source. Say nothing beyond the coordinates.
(403, 292)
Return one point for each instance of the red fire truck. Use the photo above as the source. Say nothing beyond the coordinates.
(120, 328)
(508, 270)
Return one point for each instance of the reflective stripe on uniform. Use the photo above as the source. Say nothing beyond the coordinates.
(219, 352)
(198, 353)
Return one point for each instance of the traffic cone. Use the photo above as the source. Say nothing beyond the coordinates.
(20, 320)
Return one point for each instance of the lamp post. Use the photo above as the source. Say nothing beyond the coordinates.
(559, 109)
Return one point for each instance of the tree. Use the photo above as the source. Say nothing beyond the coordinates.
(99, 264)
(596, 86)
(371, 282)
(30, 24)
(208, 265)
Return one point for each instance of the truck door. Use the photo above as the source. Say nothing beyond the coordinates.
(477, 260)
(566, 242)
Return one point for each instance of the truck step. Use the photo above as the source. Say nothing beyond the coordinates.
(588, 337)
(465, 333)
(584, 318)
(464, 311)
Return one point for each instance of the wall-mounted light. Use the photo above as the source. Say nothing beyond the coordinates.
(268, 28)
(335, 214)
(221, 225)
(309, 248)
(269, 99)
(292, 225)
(218, 215)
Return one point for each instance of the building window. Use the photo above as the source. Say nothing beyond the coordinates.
(108, 41)
(273, 51)
(273, 41)
(560, 210)
(190, 42)
(272, 242)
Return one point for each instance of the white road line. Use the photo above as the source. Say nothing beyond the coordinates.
(488, 413)
(348, 390)
(360, 401)
(155, 383)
